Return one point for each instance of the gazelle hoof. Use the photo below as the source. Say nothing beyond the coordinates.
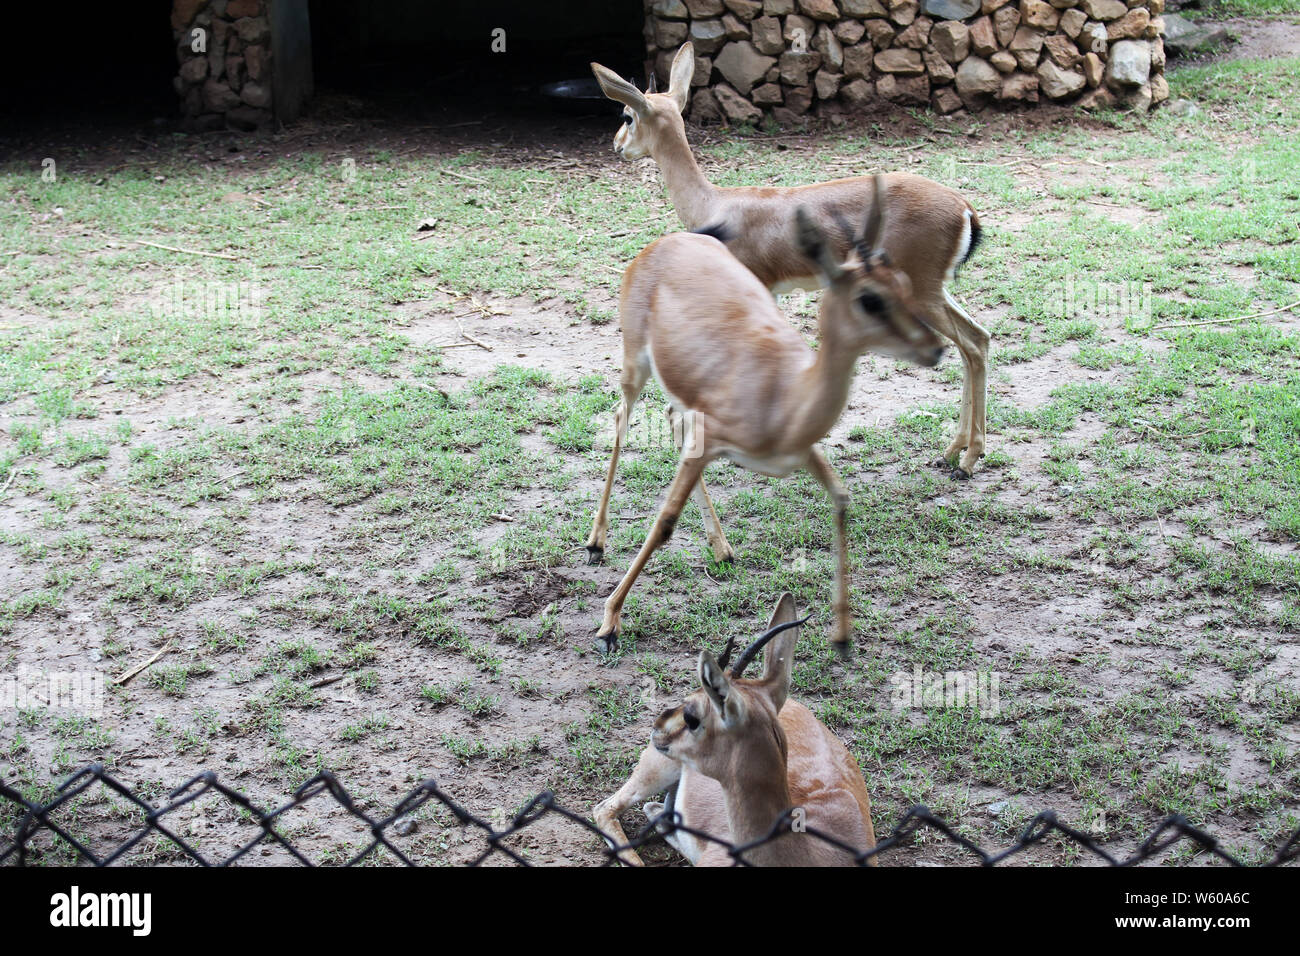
(605, 643)
(843, 649)
(595, 554)
(961, 474)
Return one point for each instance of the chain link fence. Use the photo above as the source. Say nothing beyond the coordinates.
(35, 820)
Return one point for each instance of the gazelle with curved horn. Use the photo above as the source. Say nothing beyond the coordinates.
(932, 229)
(737, 756)
(741, 379)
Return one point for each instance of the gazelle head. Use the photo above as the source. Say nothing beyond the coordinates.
(648, 116)
(732, 720)
(869, 301)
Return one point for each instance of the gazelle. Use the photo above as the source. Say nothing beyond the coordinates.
(741, 379)
(737, 755)
(932, 230)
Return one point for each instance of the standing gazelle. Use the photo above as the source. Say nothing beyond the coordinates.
(932, 229)
(743, 382)
(737, 755)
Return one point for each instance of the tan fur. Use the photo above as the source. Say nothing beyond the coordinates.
(742, 379)
(929, 228)
(752, 759)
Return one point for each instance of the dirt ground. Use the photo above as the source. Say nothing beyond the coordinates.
(1261, 39)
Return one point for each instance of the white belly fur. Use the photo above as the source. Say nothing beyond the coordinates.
(806, 283)
(777, 466)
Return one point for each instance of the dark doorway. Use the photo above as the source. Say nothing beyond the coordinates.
(438, 59)
(87, 63)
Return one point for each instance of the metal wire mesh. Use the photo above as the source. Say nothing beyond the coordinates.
(35, 819)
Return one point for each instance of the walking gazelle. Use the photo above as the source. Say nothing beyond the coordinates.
(932, 230)
(737, 755)
(742, 380)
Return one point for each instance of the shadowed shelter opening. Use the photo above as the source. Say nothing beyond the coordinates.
(80, 68)
(466, 59)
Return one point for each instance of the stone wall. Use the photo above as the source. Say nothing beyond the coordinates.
(789, 59)
(224, 80)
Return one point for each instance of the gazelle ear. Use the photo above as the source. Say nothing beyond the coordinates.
(619, 89)
(812, 243)
(715, 682)
(778, 659)
(679, 78)
(875, 223)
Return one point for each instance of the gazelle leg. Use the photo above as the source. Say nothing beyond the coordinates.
(973, 340)
(822, 471)
(654, 774)
(688, 473)
(600, 525)
(722, 550)
(961, 437)
(936, 310)
(718, 544)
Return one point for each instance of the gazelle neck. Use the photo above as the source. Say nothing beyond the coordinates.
(756, 795)
(691, 194)
(823, 387)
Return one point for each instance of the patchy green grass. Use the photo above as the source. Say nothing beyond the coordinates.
(1247, 8)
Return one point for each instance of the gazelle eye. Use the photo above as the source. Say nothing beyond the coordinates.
(627, 119)
(692, 722)
(871, 302)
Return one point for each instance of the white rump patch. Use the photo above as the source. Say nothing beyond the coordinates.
(963, 248)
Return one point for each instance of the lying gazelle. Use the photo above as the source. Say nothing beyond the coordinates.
(737, 755)
(741, 379)
(932, 231)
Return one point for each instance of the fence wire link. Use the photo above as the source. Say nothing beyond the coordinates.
(39, 818)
